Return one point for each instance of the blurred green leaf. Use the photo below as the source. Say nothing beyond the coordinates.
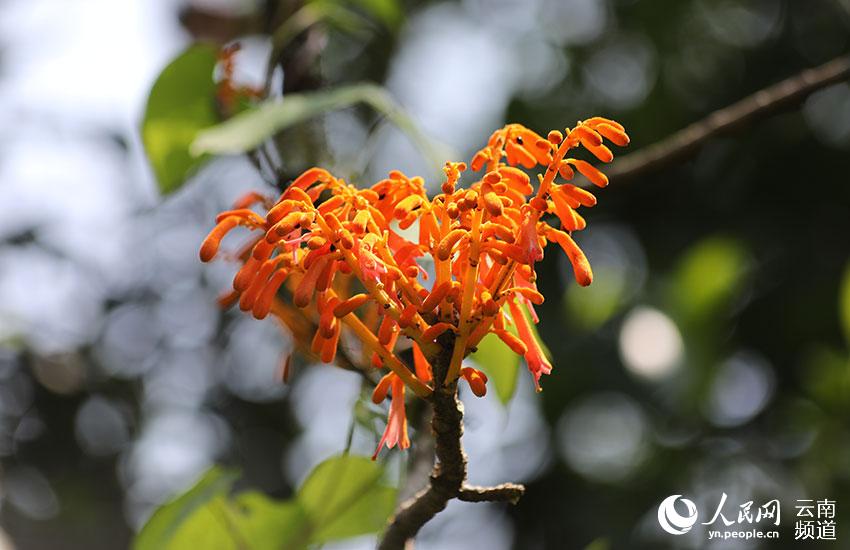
(826, 377)
(598, 544)
(707, 278)
(251, 520)
(499, 363)
(161, 529)
(248, 130)
(388, 12)
(181, 102)
(270, 524)
(344, 497)
(591, 306)
(206, 527)
(844, 303)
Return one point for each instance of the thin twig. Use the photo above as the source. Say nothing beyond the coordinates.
(761, 104)
(506, 492)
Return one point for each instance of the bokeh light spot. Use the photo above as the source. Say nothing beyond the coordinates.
(650, 343)
(604, 437)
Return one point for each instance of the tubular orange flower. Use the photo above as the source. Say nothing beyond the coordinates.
(436, 296)
(581, 267)
(396, 431)
(535, 357)
(529, 246)
(516, 345)
(406, 317)
(382, 388)
(432, 332)
(210, 246)
(323, 238)
(589, 171)
(387, 330)
(476, 379)
(263, 303)
(350, 305)
(420, 363)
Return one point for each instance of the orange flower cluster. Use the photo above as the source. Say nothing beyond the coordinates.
(339, 251)
(231, 96)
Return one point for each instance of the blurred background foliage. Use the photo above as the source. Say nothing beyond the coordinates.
(711, 354)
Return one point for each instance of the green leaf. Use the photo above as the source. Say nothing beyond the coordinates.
(248, 130)
(388, 12)
(181, 102)
(826, 376)
(499, 363)
(590, 307)
(270, 524)
(163, 526)
(209, 527)
(251, 520)
(598, 544)
(708, 277)
(344, 497)
(844, 303)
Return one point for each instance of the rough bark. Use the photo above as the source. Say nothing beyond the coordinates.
(447, 480)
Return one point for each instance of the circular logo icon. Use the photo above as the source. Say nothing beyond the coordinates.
(672, 521)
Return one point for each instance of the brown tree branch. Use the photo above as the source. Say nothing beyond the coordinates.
(761, 104)
(447, 477)
(449, 473)
(506, 492)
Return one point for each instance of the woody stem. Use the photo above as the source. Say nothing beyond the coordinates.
(449, 474)
(761, 104)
